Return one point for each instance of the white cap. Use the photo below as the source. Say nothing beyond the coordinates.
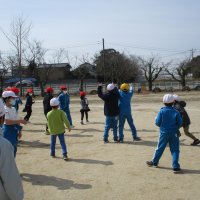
(54, 102)
(2, 108)
(176, 97)
(8, 94)
(110, 87)
(168, 98)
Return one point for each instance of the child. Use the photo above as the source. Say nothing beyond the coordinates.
(11, 127)
(10, 180)
(169, 120)
(111, 110)
(126, 93)
(17, 100)
(180, 107)
(84, 106)
(46, 104)
(29, 103)
(64, 99)
(56, 120)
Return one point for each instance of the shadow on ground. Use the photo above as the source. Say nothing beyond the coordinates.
(59, 183)
(89, 161)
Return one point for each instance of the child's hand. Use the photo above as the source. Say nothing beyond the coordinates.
(19, 135)
(22, 121)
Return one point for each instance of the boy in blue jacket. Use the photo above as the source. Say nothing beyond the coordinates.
(169, 120)
(126, 94)
(111, 110)
(64, 99)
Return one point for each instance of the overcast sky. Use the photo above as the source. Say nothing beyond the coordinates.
(168, 28)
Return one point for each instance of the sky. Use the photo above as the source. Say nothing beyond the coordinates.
(167, 29)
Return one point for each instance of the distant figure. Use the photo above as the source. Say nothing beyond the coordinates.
(28, 105)
(111, 110)
(57, 120)
(169, 120)
(17, 100)
(10, 181)
(84, 106)
(64, 99)
(46, 104)
(180, 105)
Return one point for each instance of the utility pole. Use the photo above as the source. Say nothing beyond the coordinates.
(192, 53)
(104, 73)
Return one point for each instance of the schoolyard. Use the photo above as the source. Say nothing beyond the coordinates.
(98, 171)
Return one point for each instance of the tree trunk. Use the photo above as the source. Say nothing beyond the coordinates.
(150, 85)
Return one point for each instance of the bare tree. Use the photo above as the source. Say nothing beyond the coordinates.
(181, 72)
(19, 32)
(151, 68)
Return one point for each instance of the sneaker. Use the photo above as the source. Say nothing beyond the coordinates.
(65, 157)
(136, 139)
(151, 164)
(87, 120)
(116, 141)
(196, 142)
(53, 156)
(106, 141)
(82, 123)
(176, 170)
(121, 141)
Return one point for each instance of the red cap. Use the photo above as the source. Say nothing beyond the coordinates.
(15, 90)
(30, 90)
(82, 94)
(63, 87)
(49, 89)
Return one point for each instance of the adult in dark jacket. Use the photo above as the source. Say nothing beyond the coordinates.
(111, 110)
(180, 106)
(46, 104)
(29, 103)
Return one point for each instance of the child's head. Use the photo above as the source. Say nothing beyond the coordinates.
(110, 87)
(63, 89)
(176, 98)
(49, 90)
(124, 87)
(54, 103)
(168, 99)
(82, 94)
(15, 90)
(9, 98)
(29, 91)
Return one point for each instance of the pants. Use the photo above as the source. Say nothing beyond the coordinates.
(187, 133)
(10, 132)
(173, 141)
(67, 111)
(82, 115)
(111, 122)
(29, 112)
(46, 123)
(62, 143)
(122, 119)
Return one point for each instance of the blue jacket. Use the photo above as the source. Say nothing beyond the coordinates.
(125, 101)
(64, 101)
(110, 99)
(169, 120)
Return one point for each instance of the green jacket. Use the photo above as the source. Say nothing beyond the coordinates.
(57, 120)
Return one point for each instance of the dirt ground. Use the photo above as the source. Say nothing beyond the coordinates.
(98, 171)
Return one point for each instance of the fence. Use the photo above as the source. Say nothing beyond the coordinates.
(73, 87)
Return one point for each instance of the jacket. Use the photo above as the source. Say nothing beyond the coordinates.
(169, 120)
(110, 99)
(180, 106)
(125, 101)
(46, 103)
(64, 101)
(10, 180)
